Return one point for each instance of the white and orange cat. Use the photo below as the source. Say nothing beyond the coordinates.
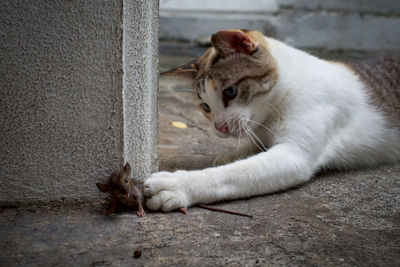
(306, 113)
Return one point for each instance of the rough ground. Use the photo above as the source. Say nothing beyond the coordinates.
(349, 218)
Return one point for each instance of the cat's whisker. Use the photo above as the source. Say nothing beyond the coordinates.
(237, 127)
(252, 139)
(243, 127)
(257, 139)
(223, 122)
(251, 147)
(227, 121)
(251, 135)
(262, 125)
(234, 121)
(240, 132)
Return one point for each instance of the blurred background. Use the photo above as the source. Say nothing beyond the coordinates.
(339, 28)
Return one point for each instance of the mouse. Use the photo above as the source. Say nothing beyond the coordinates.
(123, 191)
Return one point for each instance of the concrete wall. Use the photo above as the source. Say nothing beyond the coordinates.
(365, 25)
(140, 57)
(76, 85)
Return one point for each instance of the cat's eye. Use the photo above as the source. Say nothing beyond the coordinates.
(125, 180)
(230, 92)
(205, 107)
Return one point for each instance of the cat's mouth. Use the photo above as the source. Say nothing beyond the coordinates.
(223, 128)
(228, 129)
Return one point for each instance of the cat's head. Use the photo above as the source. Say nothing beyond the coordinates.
(231, 80)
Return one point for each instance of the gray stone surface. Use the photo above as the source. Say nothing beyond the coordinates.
(332, 25)
(337, 219)
(231, 6)
(382, 7)
(62, 91)
(334, 31)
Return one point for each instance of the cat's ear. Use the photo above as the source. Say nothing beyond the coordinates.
(188, 71)
(233, 42)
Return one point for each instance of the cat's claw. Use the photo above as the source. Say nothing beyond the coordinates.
(166, 191)
(182, 210)
(140, 213)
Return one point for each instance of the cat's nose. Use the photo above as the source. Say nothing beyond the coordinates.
(222, 127)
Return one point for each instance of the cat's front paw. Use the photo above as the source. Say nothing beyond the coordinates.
(168, 191)
(225, 158)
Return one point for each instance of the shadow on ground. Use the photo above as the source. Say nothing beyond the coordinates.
(350, 218)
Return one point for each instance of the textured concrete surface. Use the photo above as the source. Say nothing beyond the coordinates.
(140, 85)
(63, 95)
(337, 219)
(332, 25)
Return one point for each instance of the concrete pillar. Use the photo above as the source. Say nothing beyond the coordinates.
(78, 95)
(140, 58)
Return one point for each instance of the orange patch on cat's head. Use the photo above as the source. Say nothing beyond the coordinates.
(232, 42)
(212, 84)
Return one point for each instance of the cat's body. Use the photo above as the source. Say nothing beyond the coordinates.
(310, 114)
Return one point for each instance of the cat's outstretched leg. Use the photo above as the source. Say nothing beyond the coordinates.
(279, 168)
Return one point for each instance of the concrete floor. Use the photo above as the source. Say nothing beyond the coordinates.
(349, 218)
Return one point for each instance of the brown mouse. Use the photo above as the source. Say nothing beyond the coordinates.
(123, 191)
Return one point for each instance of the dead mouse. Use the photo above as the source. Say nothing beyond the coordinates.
(123, 191)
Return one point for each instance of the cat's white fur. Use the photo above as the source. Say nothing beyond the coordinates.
(321, 119)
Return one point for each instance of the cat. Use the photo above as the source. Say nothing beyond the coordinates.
(301, 114)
